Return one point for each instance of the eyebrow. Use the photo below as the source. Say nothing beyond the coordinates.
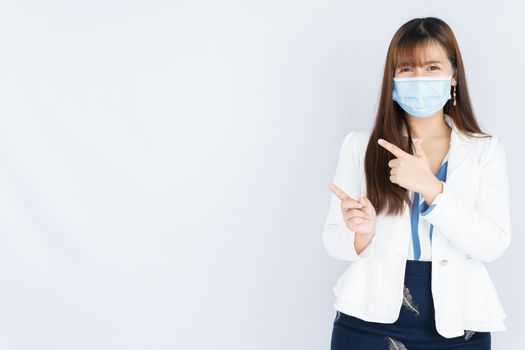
(424, 63)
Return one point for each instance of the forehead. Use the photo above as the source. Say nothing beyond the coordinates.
(419, 54)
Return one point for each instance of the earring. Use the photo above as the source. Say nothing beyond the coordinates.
(454, 94)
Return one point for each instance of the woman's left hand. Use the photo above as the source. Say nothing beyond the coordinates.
(411, 171)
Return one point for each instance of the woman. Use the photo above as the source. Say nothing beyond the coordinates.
(418, 205)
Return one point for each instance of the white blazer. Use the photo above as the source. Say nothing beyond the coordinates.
(472, 226)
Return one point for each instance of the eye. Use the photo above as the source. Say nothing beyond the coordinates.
(402, 70)
(434, 67)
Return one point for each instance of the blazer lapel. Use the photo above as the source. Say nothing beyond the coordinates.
(460, 148)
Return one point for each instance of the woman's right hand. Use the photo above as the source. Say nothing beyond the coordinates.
(359, 215)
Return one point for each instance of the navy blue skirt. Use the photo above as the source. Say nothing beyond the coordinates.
(415, 329)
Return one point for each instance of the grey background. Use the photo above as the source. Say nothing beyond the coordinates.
(164, 165)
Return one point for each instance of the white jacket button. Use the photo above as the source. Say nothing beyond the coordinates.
(443, 262)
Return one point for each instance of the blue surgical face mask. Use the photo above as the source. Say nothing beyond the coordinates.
(422, 96)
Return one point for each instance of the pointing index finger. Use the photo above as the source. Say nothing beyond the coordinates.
(342, 194)
(398, 152)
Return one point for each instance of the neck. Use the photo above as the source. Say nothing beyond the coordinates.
(428, 128)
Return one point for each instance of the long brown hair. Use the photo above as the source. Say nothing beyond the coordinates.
(407, 46)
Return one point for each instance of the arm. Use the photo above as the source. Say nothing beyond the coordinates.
(337, 238)
(482, 231)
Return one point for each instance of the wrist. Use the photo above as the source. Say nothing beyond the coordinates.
(433, 190)
(361, 241)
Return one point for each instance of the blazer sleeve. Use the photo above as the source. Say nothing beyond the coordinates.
(482, 231)
(337, 238)
(424, 208)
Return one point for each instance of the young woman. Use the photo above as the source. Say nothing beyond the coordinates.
(419, 204)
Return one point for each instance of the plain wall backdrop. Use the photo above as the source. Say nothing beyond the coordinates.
(164, 165)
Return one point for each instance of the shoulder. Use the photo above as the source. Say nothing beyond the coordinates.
(357, 140)
(486, 146)
(354, 145)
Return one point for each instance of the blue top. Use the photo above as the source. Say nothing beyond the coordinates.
(421, 242)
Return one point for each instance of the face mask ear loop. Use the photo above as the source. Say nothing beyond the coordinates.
(454, 94)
